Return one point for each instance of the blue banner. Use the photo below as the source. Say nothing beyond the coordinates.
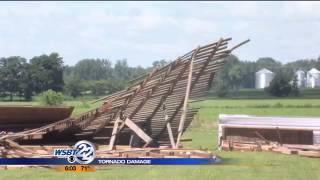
(112, 161)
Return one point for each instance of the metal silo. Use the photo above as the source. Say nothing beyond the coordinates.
(263, 78)
(301, 78)
(313, 78)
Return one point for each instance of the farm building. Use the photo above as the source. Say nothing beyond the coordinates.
(313, 78)
(263, 78)
(301, 78)
(283, 130)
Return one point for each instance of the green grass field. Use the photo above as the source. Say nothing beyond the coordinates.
(236, 165)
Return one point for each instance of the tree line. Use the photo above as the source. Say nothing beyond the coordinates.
(24, 78)
(19, 77)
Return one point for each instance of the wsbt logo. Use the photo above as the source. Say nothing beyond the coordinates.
(83, 152)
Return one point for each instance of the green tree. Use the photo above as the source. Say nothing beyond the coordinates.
(248, 74)
(160, 63)
(25, 84)
(294, 88)
(47, 72)
(269, 63)
(93, 69)
(74, 87)
(121, 70)
(98, 87)
(137, 72)
(230, 74)
(11, 74)
(235, 76)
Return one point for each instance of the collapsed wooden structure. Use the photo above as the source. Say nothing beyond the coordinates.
(288, 135)
(152, 111)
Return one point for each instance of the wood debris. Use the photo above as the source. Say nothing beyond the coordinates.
(296, 149)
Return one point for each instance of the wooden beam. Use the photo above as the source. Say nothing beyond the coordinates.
(17, 146)
(170, 135)
(131, 141)
(186, 98)
(168, 125)
(279, 135)
(114, 133)
(135, 128)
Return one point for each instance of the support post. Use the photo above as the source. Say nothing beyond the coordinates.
(170, 135)
(186, 98)
(168, 125)
(131, 141)
(114, 133)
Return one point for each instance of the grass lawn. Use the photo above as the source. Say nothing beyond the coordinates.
(236, 165)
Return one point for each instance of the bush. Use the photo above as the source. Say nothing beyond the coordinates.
(221, 89)
(51, 98)
(280, 85)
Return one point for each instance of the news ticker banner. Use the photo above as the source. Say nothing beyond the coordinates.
(82, 158)
(112, 161)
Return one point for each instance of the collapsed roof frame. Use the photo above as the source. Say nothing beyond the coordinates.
(154, 108)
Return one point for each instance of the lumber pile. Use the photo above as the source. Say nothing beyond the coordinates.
(156, 153)
(296, 149)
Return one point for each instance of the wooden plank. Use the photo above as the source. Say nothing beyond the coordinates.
(114, 134)
(17, 146)
(170, 135)
(303, 147)
(186, 98)
(279, 135)
(284, 150)
(137, 130)
(315, 154)
(166, 117)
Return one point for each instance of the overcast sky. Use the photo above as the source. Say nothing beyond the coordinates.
(143, 32)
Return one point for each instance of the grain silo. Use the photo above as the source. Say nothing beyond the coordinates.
(263, 78)
(313, 78)
(301, 78)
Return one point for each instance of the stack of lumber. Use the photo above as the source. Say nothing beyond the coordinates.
(156, 153)
(297, 149)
